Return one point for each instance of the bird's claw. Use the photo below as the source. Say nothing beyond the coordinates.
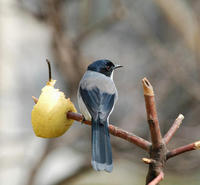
(83, 120)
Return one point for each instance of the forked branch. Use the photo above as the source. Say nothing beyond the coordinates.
(157, 150)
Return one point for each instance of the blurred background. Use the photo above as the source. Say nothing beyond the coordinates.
(157, 39)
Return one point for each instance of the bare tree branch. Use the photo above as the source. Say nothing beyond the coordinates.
(115, 131)
(152, 114)
(173, 129)
(183, 149)
(157, 150)
(157, 179)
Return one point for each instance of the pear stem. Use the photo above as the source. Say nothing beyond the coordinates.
(49, 66)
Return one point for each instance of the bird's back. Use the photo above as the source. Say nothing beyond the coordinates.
(93, 79)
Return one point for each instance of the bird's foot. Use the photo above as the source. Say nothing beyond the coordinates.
(83, 120)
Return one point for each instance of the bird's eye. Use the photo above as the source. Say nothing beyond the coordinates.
(108, 68)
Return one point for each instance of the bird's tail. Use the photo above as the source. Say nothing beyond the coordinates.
(101, 147)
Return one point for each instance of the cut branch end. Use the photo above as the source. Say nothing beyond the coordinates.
(35, 99)
(148, 89)
(180, 116)
(148, 161)
(197, 145)
(183, 149)
(173, 129)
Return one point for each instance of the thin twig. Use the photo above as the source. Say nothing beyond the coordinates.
(34, 99)
(115, 131)
(152, 114)
(157, 179)
(173, 129)
(183, 149)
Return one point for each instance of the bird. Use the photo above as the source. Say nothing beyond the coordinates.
(97, 96)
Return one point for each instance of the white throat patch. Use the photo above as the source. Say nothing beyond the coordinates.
(111, 75)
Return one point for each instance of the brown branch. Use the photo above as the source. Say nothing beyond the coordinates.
(158, 150)
(132, 138)
(152, 114)
(115, 131)
(173, 129)
(183, 149)
(34, 99)
(157, 179)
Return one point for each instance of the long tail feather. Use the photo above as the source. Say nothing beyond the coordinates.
(101, 147)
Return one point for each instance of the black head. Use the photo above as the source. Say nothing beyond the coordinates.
(105, 67)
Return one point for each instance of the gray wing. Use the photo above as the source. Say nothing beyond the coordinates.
(98, 103)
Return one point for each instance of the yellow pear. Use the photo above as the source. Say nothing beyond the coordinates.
(49, 114)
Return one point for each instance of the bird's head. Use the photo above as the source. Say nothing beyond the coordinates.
(105, 67)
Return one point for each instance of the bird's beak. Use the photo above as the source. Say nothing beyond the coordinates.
(117, 66)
